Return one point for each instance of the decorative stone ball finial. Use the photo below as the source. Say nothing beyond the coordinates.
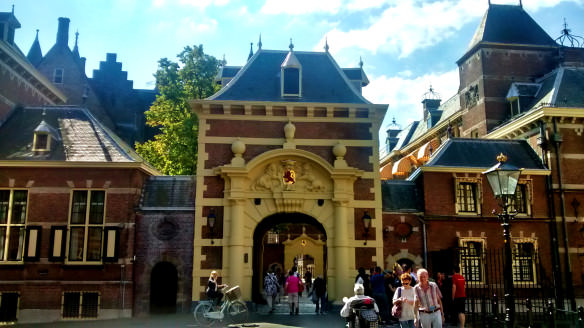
(238, 148)
(339, 150)
(289, 130)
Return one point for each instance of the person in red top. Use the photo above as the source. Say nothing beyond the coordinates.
(458, 295)
(292, 287)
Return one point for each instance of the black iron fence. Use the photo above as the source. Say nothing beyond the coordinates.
(533, 292)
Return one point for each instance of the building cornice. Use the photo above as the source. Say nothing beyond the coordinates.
(34, 73)
(510, 129)
(81, 165)
(474, 170)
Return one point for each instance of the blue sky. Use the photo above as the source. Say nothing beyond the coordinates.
(406, 45)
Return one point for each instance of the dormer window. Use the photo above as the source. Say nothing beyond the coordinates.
(291, 75)
(291, 81)
(58, 76)
(41, 142)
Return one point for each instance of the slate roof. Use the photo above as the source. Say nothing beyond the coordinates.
(322, 80)
(510, 24)
(400, 195)
(482, 153)
(79, 136)
(168, 192)
(226, 72)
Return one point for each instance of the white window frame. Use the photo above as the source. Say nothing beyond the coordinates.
(55, 75)
(462, 243)
(515, 242)
(5, 240)
(80, 313)
(87, 226)
(478, 195)
(283, 79)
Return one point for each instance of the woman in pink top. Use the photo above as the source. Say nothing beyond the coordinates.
(291, 288)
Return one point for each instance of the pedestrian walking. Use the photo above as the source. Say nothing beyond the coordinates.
(292, 287)
(271, 289)
(319, 294)
(428, 302)
(404, 295)
(458, 296)
(378, 290)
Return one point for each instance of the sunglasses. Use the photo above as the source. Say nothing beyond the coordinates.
(405, 282)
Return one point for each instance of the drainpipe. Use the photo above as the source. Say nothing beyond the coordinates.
(424, 240)
(543, 142)
(557, 140)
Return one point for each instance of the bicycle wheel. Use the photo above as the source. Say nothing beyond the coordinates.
(199, 314)
(237, 312)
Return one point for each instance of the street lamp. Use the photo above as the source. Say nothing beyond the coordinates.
(366, 225)
(503, 179)
(211, 218)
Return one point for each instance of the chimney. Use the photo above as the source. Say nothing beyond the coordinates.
(63, 32)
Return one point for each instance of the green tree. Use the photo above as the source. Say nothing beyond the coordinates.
(174, 150)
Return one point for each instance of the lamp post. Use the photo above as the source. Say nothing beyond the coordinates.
(366, 225)
(503, 179)
(211, 218)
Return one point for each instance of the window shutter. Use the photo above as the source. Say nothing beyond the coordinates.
(110, 244)
(58, 243)
(32, 247)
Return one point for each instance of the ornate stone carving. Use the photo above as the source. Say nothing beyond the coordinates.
(471, 96)
(277, 177)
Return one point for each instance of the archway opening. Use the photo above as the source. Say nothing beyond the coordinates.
(284, 240)
(163, 288)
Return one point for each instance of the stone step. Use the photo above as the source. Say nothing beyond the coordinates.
(305, 306)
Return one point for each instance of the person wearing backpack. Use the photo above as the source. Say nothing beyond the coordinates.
(271, 289)
(404, 297)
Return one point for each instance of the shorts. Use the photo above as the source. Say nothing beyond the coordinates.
(458, 305)
(293, 298)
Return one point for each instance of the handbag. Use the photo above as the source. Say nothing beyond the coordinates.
(314, 297)
(396, 310)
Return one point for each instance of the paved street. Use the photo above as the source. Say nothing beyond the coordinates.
(184, 320)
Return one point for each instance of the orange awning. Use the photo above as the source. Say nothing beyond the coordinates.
(385, 172)
(427, 149)
(402, 167)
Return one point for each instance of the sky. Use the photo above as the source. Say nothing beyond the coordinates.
(406, 45)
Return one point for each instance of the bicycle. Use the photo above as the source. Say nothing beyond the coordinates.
(233, 305)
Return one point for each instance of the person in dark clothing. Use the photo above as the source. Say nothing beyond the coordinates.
(378, 289)
(213, 286)
(363, 279)
(308, 280)
(319, 289)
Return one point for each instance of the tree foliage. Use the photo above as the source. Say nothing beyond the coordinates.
(174, 150)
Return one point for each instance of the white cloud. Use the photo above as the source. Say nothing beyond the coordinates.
(202, 4)
(190, 25)
(409, 25)
(300, 7)
(404, 95)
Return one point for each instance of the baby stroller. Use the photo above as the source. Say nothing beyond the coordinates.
(363, 314)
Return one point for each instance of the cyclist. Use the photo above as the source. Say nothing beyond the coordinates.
(213, 288)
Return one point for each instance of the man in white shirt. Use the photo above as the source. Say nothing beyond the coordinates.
(428, 302)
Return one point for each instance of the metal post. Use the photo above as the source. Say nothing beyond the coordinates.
(508, 269)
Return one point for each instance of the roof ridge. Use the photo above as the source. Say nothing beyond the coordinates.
(345, 78)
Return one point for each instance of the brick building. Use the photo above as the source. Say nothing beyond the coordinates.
(287, 169)
(516, 82)
(68, 192)
(20, 83)
(109, 95)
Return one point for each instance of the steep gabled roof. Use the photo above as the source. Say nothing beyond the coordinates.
(508, 24)
(82, 137)
(482, 153)
(322, 80)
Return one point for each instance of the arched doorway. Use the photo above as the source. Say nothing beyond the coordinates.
(286, 239)
(163, 288)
